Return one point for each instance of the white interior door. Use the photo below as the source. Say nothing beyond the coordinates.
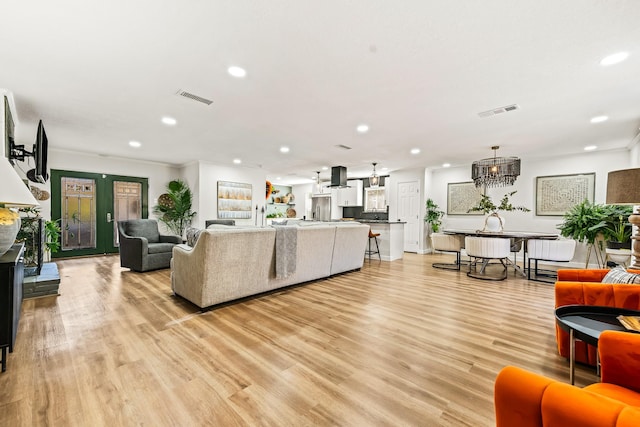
(409, 211)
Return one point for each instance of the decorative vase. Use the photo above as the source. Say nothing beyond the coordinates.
(493, 223)
(9, 227)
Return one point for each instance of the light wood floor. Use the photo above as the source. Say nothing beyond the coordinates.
(397, 344)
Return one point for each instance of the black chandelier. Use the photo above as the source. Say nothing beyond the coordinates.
(495, 171)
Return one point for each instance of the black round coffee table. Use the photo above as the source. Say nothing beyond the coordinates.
(586, 323)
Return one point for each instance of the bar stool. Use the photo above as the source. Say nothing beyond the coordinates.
(369, 252)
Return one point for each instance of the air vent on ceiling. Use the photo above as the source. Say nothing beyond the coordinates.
(499, 110)
(194, 97)
(344, 147)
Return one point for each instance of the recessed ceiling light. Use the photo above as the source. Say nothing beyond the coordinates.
(614, 59)
(134, 144)
(590, 147)
(415, 151)
(237, 161)
(362, 128)
(599, 119)
(169, 121)
(278, 178)
(237, 71)
(325, 168)
(384, 169)
(446, 165)
(284, 149)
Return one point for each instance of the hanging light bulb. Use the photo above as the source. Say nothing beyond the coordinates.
(318, 186)
(374, 179)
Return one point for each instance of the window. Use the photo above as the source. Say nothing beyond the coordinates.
(375, 200)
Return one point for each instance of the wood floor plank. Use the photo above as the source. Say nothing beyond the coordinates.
(397, 343)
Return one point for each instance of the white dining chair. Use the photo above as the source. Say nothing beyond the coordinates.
(485, 249)
(560, 250)
(443, 242)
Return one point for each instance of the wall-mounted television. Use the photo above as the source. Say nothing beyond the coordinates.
(39, 153)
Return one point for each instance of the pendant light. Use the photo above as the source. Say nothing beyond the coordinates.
(374, 179)
(495, 171)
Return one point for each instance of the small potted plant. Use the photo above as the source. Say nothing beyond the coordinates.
(433, 215)
(615, 227)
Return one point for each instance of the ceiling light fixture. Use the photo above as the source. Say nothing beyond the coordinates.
(362, 128)
(495, 171)
(284, 149)
(415, 151)
(325, 168)
(237, 72)
(374, 179)
(599, 119)
(590, 147)
(318, 185)
(614, 59)
(446, 165)
(135, 144)
(169, 121)
(237, 161)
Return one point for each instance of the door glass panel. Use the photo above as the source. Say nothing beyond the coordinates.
(127, 204)
(78, 213)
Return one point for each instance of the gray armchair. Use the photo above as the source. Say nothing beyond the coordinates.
(142, 247)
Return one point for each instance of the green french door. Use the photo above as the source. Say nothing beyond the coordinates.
(88, 206)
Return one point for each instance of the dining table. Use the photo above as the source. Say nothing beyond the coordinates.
(516, 236)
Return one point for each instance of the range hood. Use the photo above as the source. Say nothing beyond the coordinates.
(338, 176)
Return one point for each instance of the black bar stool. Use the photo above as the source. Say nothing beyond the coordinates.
(369, 252)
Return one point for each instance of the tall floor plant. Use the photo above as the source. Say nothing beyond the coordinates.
(174, 207)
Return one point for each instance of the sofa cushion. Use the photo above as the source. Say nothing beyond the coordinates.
(143, 228)
(192, 234)
(620, 275)
(158, 248)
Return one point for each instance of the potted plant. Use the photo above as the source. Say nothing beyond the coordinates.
(615, 227)
(582, 224)
(433, 215)
(174, 207)
(494, 222)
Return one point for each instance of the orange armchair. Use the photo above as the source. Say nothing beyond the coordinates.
(525, 399)
(583, 287)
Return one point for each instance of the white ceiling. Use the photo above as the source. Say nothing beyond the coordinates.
(418, 72)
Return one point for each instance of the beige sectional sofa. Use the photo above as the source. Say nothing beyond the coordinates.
(227, 263)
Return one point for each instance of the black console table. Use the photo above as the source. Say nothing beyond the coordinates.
(11, 276)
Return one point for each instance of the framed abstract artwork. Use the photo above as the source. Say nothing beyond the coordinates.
(234, 200)
(557, 194)
(462, 196)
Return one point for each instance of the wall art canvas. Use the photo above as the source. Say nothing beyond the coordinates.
(557, 194)
(234, 200)
(462, 196)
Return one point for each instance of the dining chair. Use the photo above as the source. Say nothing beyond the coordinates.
(484, 249)
(443, 242)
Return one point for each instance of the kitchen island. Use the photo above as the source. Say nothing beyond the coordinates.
(391, 238)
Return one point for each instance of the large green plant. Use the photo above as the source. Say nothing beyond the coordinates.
(615, 225)
(581, 223)
(174, 207)
(433, 215)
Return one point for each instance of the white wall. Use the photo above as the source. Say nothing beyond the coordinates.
(206, 188)
(302, 194)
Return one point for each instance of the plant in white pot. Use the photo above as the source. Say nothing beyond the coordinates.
(494, 222)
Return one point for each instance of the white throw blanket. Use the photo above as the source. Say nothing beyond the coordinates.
(286, 246)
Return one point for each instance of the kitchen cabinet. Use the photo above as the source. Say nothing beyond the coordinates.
(352, 195)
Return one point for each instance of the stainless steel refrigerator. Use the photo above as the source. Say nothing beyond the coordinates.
(321, 207)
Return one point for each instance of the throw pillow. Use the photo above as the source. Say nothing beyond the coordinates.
(620, 275)
(192, 235)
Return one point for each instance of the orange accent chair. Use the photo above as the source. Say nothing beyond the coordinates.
(525, 399)
(583, 287)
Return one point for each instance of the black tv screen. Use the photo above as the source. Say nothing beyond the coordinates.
(40, 149)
